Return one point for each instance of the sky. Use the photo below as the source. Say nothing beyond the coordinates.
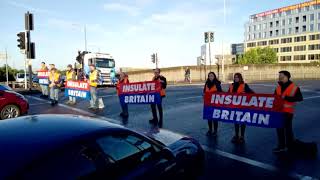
(129, 30)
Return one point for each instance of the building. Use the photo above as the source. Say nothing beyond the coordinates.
(228, 59)
(237, 49)
(292, 31)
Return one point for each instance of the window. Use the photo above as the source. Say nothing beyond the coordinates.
(259, 35)
(299, 10)
(319, 15)
(249, 28)
(277, 23)
(288, 12)
(264, 34)
(254, 28)
(311, 17)
(254, 36)
(307, 8)
(314, 37)
(277, 32)
(311, 27)
(271, 24)
(297, 30)
(290, 21)
(286, 49)
(304, 28)
(289, 30)
(299, 48)
(285, 58)
(318, 26)
(253, 44)
(304, 18)
(262, 43)
(314, 47)
(264, 25)
(259, 27)
(283, 22)
(299, 57)
(300, 38)
(270, 33)
(283, 31)
(275, 41)
(286, 40)
(297, 19)
(314, 57)
(276, 50)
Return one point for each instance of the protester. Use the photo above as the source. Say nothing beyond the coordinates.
(239, 86)
(71, 75)
(163, 81)
(44, 88)
(291, 94)
(55, 83)
(187, 75)
(93, 82)
(123, 80)
(51, 66)
(212, 85)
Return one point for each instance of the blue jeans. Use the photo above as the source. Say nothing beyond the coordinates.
(124, 108)
(54, 93)
(44, 89)
(72, 99)
(94, 99)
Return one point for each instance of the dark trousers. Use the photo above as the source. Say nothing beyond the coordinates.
(215, 125)
(154, 112)
(285, 135)
(124, 108)
(240, 126)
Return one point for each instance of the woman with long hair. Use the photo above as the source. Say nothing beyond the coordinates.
(212, 85)
(239, 86)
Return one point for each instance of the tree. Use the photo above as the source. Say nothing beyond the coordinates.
(259, 55)
(11, 73)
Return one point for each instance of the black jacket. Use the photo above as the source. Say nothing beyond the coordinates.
(296, 98)
(162, 78)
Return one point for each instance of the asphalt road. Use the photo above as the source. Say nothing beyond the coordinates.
(183, 114)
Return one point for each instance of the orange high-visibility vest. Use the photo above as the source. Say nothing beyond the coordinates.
(290, 91)
(240, 88)
(212, 89)
(163, 91)
(124, 81)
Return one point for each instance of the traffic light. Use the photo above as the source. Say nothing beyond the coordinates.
(206, 38)
(211, 36)
(28, 21)
(153, 58)
(31, 54)
(21, 40)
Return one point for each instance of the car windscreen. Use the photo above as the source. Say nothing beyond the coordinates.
(104, 63)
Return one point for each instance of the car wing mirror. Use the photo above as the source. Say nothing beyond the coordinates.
(167, 153)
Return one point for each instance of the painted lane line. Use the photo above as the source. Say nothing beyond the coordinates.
(253, 162)
(37, 104)
(191, 97)
(106, 96)
(311, 97)
(79, 110)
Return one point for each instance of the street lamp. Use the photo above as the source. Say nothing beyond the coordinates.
(85, 34)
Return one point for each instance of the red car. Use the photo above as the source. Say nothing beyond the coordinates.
(12, 104)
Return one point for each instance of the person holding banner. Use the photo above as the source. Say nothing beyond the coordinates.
(44, 88)
(54, 80)
(163, 82)
(93, 82)
(212, 85)
(123, 80)
(71, 75)
(291, 94)
(239, 86)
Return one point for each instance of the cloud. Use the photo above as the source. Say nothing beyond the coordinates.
(30, 8)
(131, 10)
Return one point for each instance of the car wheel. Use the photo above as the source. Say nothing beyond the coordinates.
(10, 111)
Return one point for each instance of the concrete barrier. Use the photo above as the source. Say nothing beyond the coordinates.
(251, 73)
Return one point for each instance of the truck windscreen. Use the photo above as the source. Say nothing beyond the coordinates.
(104, 63)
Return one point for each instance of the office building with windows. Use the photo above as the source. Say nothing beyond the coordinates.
(292, 31)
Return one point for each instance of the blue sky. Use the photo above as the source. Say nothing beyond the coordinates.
(130, 30)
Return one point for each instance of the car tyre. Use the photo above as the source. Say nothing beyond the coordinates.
(10, 111)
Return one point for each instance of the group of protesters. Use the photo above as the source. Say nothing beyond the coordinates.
(286, 89)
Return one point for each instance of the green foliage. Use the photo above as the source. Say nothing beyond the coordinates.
(11, 72)
(258, 55)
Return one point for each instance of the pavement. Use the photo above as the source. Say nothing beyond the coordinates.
(183, 114)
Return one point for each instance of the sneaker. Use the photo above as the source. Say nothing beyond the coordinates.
(90, 107)
(215, 133)
(68, 102)
(279, 149)
(52, 103)
(235, 139)
(55, 102)
(72, 103)
(209, 133)
(241, 140)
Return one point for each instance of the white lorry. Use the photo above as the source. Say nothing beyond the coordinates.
(104, 63)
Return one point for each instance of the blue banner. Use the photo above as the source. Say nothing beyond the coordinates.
(251, 117)
(44, 81)
(77, 93)
(141, 98)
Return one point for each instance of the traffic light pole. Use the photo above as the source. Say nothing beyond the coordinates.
(210, 54)
(25, 71)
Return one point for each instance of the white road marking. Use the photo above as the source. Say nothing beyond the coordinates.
(253, 162)
(37, 104)
(311, 97)
(106, 96)
(79, 110)
(191, 97)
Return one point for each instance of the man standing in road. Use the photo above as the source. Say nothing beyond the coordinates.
(124, 79)
(55, 83)
(93, 82)
(44, 87)
(163, 81)
(70, 76)
(291, 94)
